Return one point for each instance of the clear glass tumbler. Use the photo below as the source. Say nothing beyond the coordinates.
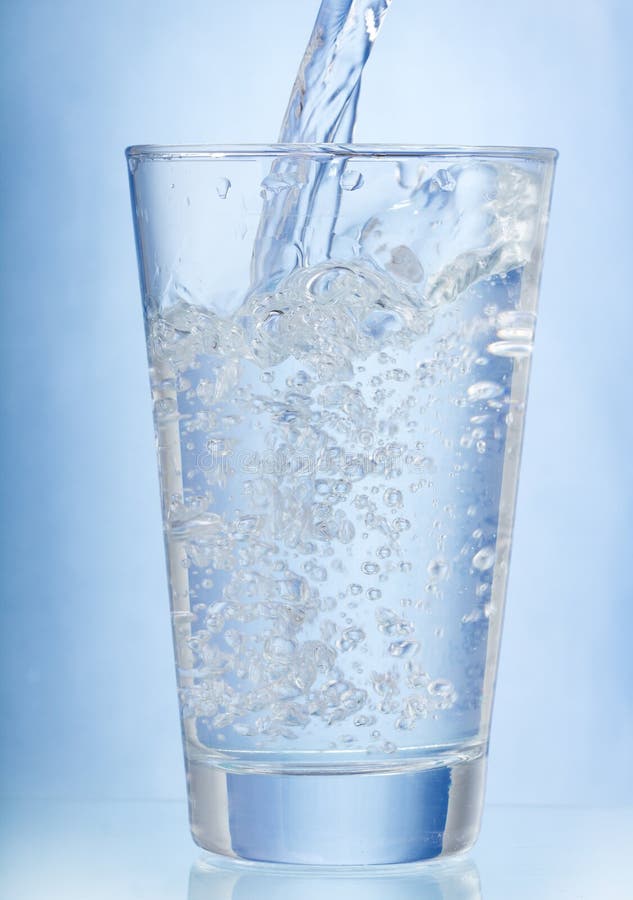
(339, 343)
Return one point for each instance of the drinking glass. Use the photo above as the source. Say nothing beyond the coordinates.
(339, 343)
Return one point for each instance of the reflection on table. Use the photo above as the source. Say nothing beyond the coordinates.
(213, 879)
(141, 850)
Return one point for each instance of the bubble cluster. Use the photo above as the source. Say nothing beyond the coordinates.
(332, 458)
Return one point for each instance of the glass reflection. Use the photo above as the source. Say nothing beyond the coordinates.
(213, 879)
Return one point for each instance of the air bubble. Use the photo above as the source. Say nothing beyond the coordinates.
(393, 497)
(440, 688)
(405, 723)
(317, 573)
(299, 379)
(425, 374)
(389, 622)
(350, 638)
(361, 721)
(397, 375)
(370, 568)
(279, 648)
(401, 524)
(404, 649)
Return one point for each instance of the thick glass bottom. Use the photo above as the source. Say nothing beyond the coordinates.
(403, 815)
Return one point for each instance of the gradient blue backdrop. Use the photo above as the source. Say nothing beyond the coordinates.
(88, 703)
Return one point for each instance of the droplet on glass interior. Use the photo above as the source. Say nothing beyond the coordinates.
(484, 390)
(222, 187)
(351, 180)
(484, 559)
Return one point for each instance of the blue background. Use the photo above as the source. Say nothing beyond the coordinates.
(88, 701)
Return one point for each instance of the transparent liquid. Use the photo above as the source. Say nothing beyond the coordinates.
(322, 108)
(338, 464)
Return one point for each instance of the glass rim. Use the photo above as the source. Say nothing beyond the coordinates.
(174, 152)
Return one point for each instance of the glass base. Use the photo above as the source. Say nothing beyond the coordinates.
(402, 815)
